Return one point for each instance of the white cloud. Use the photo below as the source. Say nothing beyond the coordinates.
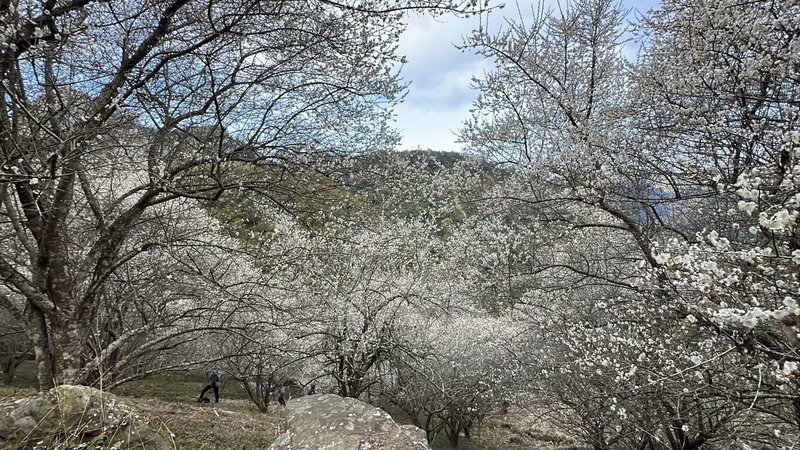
(439, 95)
(428, 128)
(436, 106)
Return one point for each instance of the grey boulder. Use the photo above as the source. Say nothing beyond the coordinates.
(330, 422)
(79, 416)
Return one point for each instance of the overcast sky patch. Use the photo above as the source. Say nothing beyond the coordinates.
(439, 95)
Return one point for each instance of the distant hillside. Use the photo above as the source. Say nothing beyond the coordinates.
(357, 189)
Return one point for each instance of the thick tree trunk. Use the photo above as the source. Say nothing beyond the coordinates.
(452, 437)
(257, 391)
(37, 333)
(431, 428)
(67, 352)
(58, 349)
(350, 383)
(453, 430)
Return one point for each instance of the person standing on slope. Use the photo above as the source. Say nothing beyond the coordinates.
(214, 381)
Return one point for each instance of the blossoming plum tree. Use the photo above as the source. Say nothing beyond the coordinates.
(177, 93)
(668, 184)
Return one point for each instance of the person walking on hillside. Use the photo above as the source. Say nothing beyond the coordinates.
(283, 394)
(214, 381)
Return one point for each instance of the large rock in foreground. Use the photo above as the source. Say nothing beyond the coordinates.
(75, 416)
(330, 422)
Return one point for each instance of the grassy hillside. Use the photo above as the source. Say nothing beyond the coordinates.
(235, 423)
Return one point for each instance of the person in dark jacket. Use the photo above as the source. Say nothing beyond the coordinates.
(283, 394)
(214, 381)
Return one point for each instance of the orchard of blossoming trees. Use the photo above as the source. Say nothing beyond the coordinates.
(118, 117)
(664, 288)
(616, 253)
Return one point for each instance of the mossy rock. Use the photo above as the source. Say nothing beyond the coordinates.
(68, 416)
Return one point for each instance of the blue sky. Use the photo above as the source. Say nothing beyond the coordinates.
(439, 96)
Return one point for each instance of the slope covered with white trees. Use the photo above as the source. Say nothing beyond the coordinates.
(669, 187)
(615, 253)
